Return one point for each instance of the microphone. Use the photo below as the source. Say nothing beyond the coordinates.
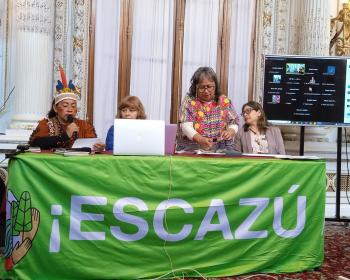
(23, 147)
(70, 119)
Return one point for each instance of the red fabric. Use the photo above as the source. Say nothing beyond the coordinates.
(8, 263)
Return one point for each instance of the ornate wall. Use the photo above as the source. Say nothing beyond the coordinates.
(292, 27)
(71, 47)
(46, 33)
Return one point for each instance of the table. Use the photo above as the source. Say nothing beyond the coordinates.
(127, 217)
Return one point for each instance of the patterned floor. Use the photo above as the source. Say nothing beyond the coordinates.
(337, 258)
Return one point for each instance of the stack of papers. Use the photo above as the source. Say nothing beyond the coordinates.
(75, 153)
(204, 152)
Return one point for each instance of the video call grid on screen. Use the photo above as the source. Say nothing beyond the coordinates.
(305, 90)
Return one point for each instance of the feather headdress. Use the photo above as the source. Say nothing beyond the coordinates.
(64, 90)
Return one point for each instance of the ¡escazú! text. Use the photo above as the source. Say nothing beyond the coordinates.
(215, 209)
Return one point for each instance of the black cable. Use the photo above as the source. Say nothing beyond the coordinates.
(347, 166)
(6, 100)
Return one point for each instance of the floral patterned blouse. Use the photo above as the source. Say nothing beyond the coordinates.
(209, 119)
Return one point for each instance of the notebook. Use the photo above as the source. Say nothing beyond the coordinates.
(170, 137)
(138, 137)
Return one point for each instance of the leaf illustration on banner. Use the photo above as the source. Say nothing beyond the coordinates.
(23, 220)
(14, 212)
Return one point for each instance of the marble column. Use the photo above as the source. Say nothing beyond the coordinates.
(34, 61)
(315, 28)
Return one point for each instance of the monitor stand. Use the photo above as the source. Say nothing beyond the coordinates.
(337, 217)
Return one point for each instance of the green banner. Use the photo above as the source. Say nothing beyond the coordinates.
(115, 217)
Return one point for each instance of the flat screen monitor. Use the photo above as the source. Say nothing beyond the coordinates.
(305, 90)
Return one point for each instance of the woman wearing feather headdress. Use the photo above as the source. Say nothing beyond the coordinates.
(62, 127)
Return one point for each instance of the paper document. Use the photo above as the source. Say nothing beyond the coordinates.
(86, 142)
(280, 156)
(204, 152)
(75, 153)
(296, 157)
(258, 155)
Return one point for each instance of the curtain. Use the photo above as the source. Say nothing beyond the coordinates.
(152, 51)
(8, 23)
(106, 65)
(241, 43)
(3, 19)
(2, 50)
(200, 38)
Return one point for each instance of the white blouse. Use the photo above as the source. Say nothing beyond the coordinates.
(259, 143)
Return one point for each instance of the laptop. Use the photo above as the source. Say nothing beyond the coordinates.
(138, 137)
(170, 137)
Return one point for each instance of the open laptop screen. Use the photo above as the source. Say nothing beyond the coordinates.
(138, 137)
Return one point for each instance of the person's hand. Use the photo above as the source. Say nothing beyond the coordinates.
(71, 129)
(20, 250)
(98, 147)
(228, 134)
(204, 142)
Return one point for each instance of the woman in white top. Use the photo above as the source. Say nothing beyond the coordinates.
(257, 136)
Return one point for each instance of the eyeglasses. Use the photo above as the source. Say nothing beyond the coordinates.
(202, 88)
(247, 111)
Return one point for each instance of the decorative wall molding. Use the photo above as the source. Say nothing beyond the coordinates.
(264, 42)
(81, 30)
(34, 16)
(72, 44)
(292, 27)
(60, 39)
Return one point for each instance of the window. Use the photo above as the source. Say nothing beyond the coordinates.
(161, 44)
